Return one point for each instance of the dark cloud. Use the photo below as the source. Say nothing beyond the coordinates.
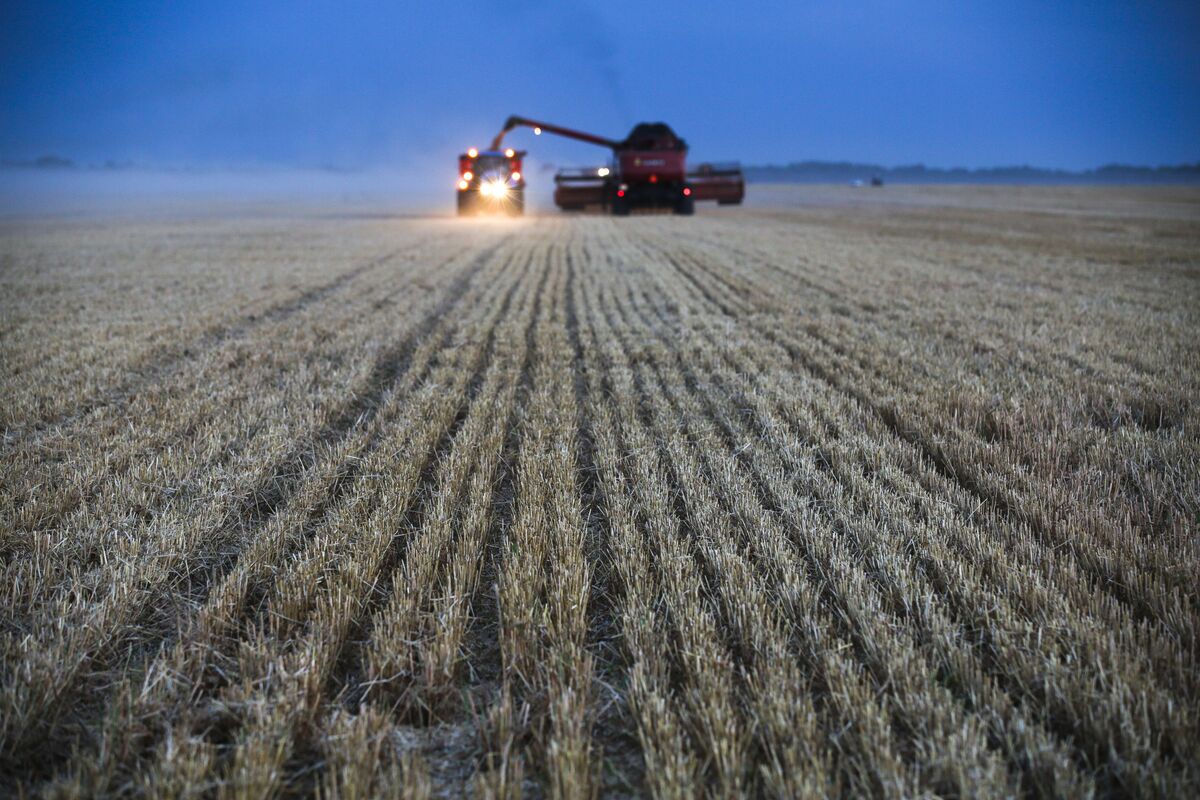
(580, 33)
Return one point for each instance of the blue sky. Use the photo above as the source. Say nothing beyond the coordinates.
(372, 84)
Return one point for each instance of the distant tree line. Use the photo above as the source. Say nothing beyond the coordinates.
(848, 171)
(55, 162)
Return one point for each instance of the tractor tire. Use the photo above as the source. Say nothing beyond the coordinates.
(620, 207)
(516, 208)
(686, 206)
(466, 206)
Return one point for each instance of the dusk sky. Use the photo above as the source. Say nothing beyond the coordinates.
(371, 85)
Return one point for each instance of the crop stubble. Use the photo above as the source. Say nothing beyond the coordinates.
(805, 502)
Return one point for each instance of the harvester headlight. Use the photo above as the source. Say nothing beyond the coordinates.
(516, 176)
(472, 152)
(462, 185)
(537, 131)
(468, 175)
(499, 189)
(485, 189)
(602, 172)
(509, 153)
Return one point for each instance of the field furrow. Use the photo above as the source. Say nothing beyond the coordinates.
(780, 502)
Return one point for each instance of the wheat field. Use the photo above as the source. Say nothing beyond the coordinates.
(826, 497)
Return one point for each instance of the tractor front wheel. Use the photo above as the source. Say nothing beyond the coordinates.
(516, 205)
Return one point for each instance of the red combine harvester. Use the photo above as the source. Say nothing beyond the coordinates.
(648, 170)
(491, 181)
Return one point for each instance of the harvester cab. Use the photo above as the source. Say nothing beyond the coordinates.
(491, 180)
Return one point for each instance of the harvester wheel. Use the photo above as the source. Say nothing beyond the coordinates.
(686, 206)
(620, 207)
(465, 204)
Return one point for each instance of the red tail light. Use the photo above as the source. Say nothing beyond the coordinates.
(687, 192)
(620, 192)
(654, 179)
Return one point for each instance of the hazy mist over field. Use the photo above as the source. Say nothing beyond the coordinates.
(260, 189)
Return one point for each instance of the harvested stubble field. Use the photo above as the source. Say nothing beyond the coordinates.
(805, 500)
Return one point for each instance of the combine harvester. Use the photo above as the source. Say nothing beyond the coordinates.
(648, 170)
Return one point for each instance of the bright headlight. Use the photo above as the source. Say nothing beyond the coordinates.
(499, 189)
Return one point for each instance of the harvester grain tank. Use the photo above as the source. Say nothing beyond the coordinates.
(648, 170)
